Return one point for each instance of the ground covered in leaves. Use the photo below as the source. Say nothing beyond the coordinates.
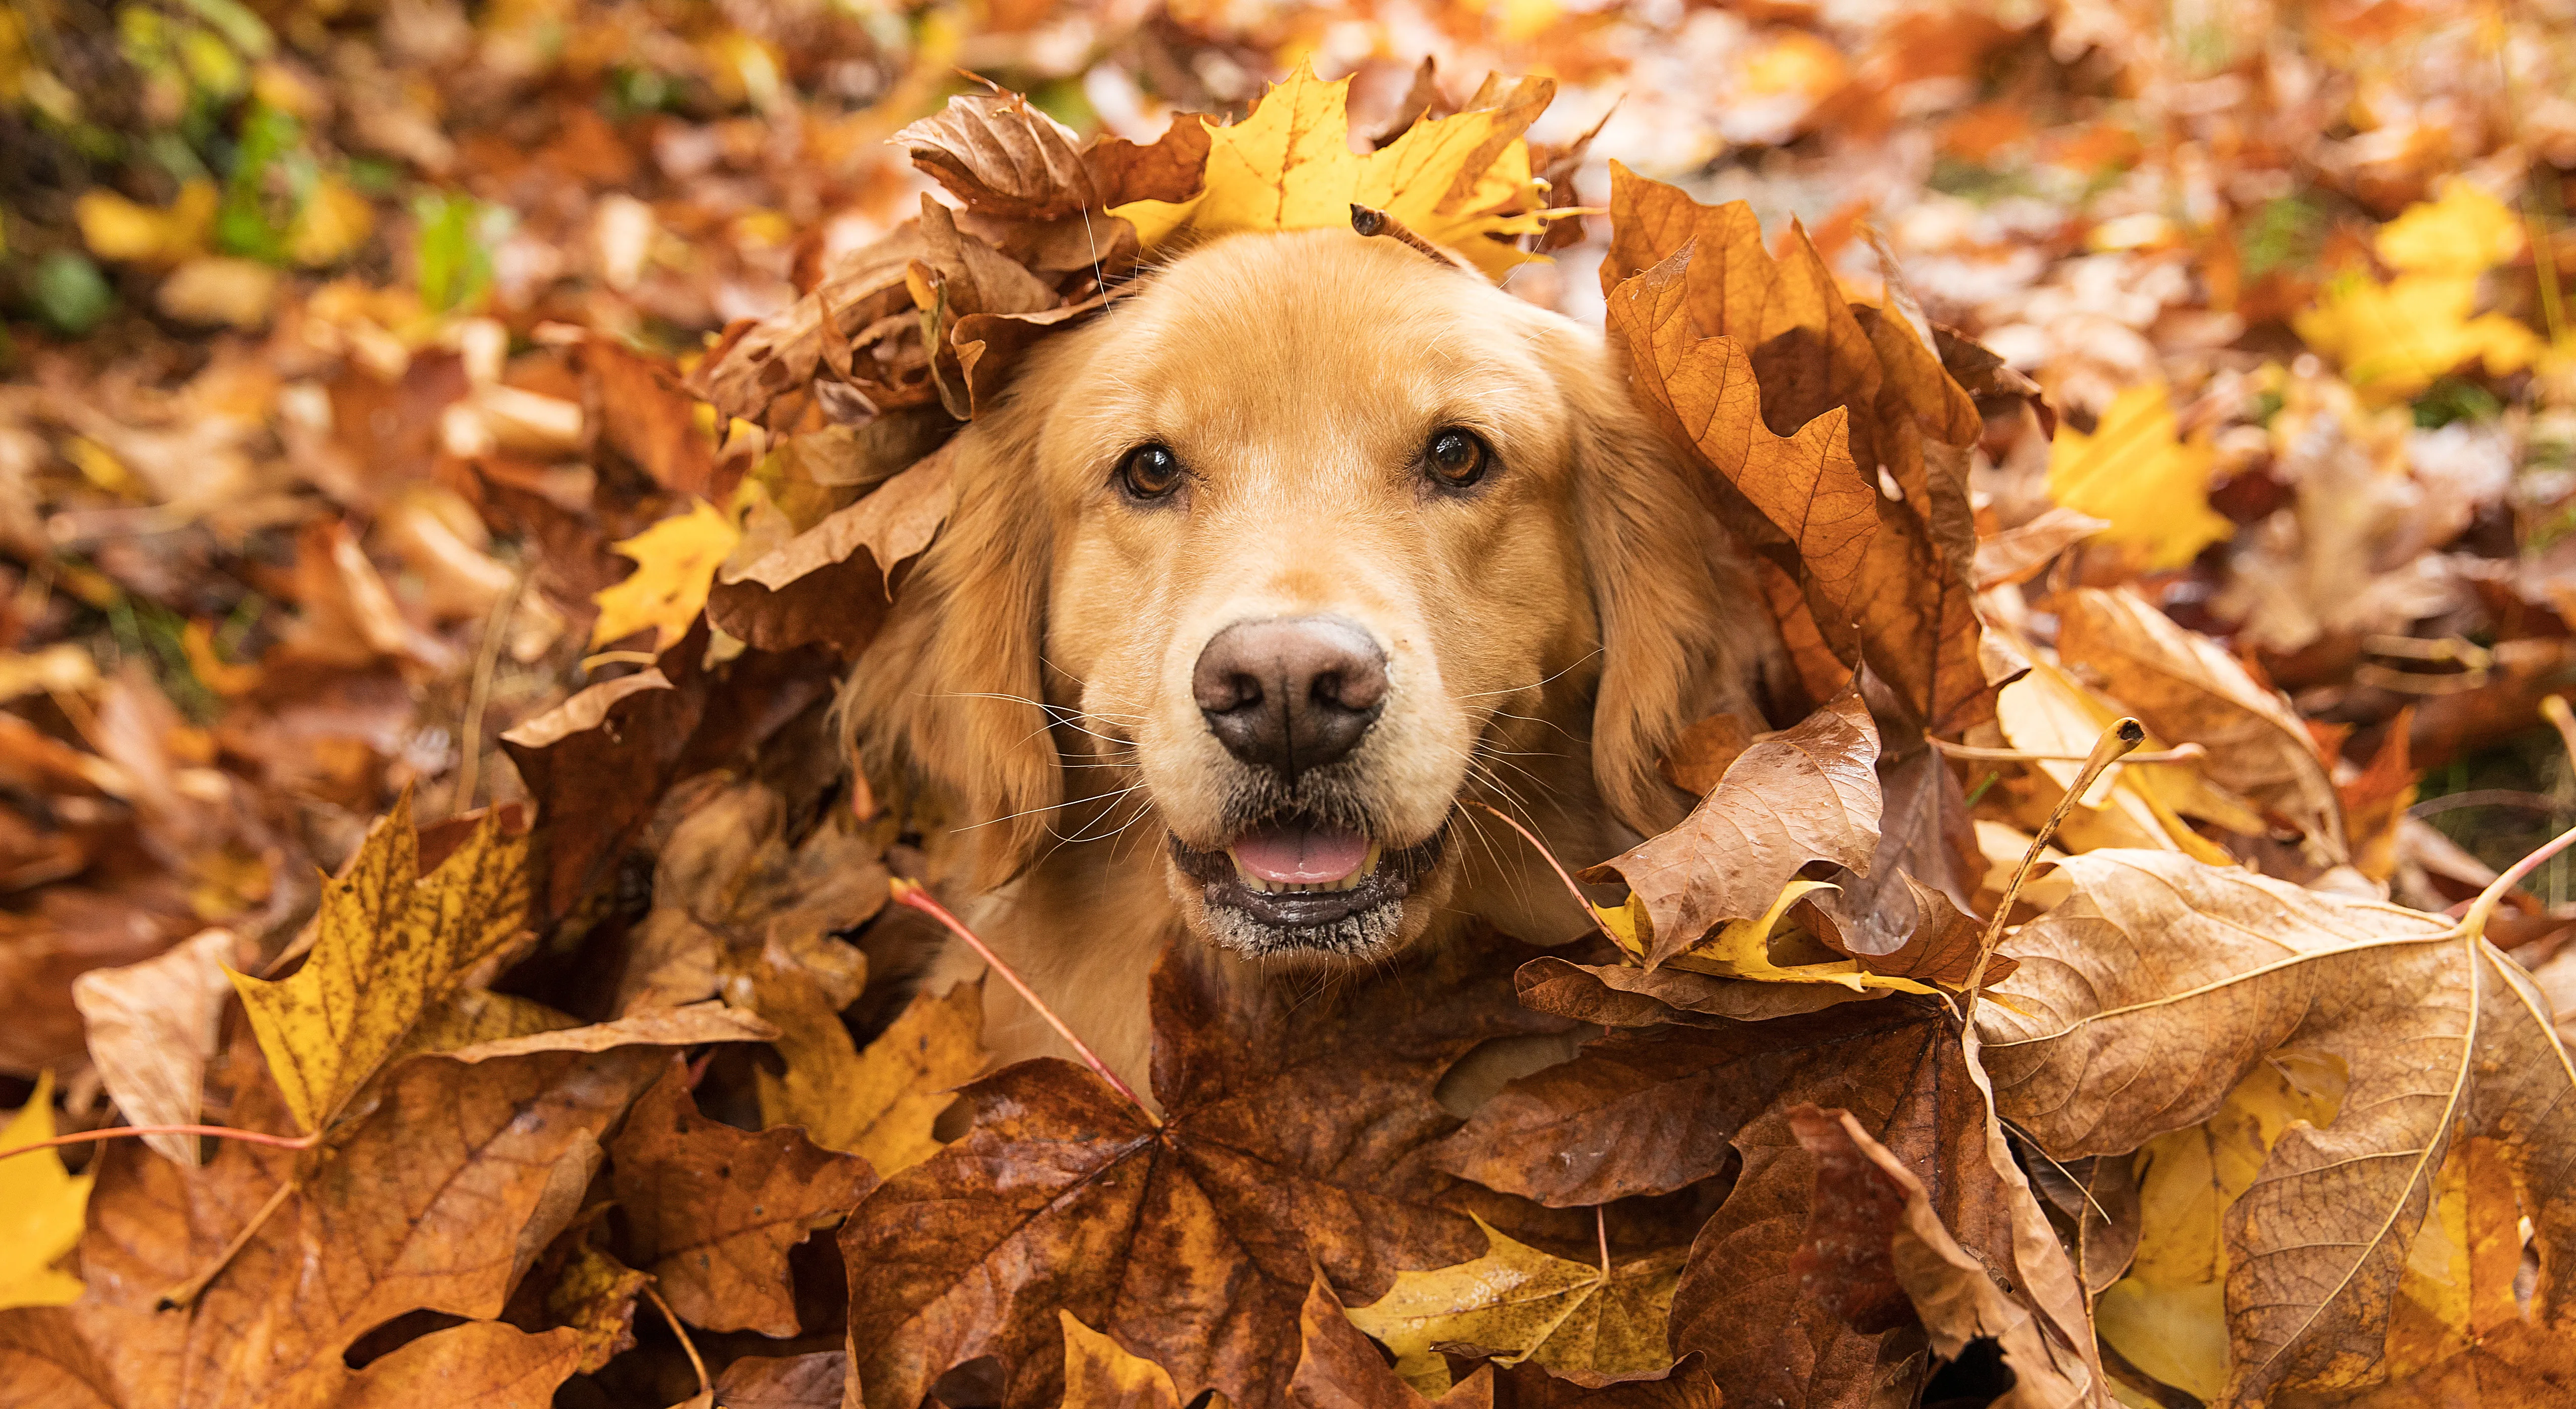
(449, 452)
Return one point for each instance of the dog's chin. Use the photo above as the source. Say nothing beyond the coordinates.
(1362, 918)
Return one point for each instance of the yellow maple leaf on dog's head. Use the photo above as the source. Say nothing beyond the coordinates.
(675, 566)
(1289, 166)
(2135, 471)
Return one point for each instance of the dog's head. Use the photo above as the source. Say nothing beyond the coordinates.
(1273, 565)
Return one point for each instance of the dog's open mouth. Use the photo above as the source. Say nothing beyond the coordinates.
(1295, 884)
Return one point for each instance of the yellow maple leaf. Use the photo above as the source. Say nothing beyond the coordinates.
(2394, 339)
(675, 565)
(1289, 166)
(1526, 1304)
(41, 1208)
(390, 944)
(2169, 1314)
(2463, 231)
(2136, 472)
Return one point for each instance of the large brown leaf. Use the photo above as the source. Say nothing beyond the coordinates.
(1298, 1135)
(437, 1199)
(1807, 794)
(2159, 984)
(712, 1212)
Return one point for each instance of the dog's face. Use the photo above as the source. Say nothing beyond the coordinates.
(1303, 547)
(1314, 532)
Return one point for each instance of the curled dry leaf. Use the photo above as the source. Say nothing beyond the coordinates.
(153, 1027)
(1002, 156)
(832, 582)
(660, 1027)
(2018, 554)
(711, 1211)
(2181, 685)
(2164, 982)
(1808, 794)
(1623, 995)
(729, 888)
(1747, 358)
(1062, 1196)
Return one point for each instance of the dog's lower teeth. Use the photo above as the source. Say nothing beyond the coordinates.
(1266, 886)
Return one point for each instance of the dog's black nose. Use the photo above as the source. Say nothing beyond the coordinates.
(1290, 694)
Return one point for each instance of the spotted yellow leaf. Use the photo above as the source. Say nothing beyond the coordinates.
(391, 944)
(2135, 471)
(1524, 1304)
(1289, 166)
(41, 1208)
(675, 565)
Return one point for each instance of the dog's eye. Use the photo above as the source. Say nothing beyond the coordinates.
(1149, 472)
(1456, 458)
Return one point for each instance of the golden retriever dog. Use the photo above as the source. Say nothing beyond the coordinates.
(1252, 584)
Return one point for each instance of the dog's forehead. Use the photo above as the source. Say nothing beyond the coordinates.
(1317, 314)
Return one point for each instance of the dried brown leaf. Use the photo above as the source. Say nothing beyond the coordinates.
(711, 1211)
(833, 582)
(1002, 157)
(2188, 690)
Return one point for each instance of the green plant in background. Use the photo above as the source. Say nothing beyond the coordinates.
(454, 257)
(2282, 233)
(68, 292)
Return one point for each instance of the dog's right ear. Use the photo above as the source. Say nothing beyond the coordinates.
(950, 693)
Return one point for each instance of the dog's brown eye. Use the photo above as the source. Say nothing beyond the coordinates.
(1457, 458)
(1149, 472)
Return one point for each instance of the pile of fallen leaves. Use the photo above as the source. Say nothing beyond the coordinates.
(449, 460)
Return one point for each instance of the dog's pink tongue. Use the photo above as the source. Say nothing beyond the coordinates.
(1299, 855)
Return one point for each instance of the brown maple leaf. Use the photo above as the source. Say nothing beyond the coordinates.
(1298, 1134)
(711, 1212)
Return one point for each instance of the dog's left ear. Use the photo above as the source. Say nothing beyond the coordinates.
(1684, 632)
(950, 692)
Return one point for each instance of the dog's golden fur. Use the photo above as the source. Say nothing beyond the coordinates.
(1547, 633)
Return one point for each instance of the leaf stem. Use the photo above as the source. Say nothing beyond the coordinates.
(187, 1292)
(220, 1132)
(2474, 924)
(706, 1387)
(2123, 735)
(2181, 753)
(918, 896)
